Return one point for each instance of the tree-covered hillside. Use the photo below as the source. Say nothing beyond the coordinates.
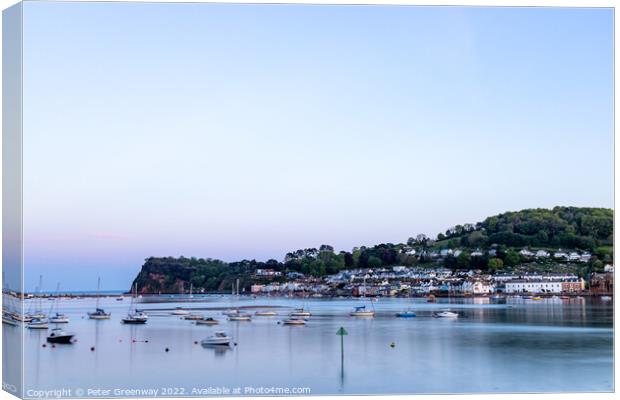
(567, 227)
(492, 244)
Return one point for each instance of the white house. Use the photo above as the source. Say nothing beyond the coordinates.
(520, 286)
(477, 287)
(526, 253)
(608, 268)
(542, 254)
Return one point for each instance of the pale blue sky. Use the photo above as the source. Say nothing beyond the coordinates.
(246, 131)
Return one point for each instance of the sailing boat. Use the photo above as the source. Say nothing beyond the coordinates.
(361, 311)
(300, 312)
(99, 312)
(408, 313)
(136, 317)
(181, 310)
(38, 318)
(38, 313)
(236, 315)
(57, 318)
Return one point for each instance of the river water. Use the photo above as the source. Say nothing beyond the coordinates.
(552, 345)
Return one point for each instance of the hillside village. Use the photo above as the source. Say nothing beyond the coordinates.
(533, 276)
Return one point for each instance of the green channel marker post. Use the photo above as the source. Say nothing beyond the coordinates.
(342, 332)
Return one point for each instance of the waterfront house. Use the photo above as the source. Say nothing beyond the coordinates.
(533, 286)
(542, 254)
(477, 287)
(602, 282)
(573, 286)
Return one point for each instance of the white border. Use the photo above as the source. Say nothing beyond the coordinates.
(481, 3)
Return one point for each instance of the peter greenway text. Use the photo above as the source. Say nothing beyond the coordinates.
(169, 392)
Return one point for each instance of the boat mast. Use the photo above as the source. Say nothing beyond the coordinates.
(98, 286)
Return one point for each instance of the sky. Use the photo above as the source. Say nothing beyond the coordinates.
(247, 131)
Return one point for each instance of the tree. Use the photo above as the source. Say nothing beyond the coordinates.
(374, 262)
(495, 264)
(463, 259)
(512, 258)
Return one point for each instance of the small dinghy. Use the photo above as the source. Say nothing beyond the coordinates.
(406, 314)
(446, 314)
(207, 321)
(218, 339)
(194, 317)
(265, 313)
(240, 317)
(294, 321)
(180, 311)
(57, 335)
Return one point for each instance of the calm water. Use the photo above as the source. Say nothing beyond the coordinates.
(522, 346)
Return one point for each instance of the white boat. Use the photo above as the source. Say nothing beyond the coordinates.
(265, 313)
(194, 317)
(99, 313)
(606, 298)
(59, 319)
(37, 324)
(362, 312)
(57, 335)
(207, 321)
(180, 311)
(134, 319)
(218, 339)
(8, 319)
(294, 321)
(135, 316)
(229, 313)
(55, 316)
(240, 317)
(446, 314)
(300, 312)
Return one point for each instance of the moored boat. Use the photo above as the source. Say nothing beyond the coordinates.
(99, 313)
(265, 313)
(446, 314)
(194, 317)
(8, 319)
(240, 317)
(59, 318)
(180, 311)
(207, 321)
(57, 335)
(300, 312)
(220, 338)
(406, 314)
(37, 323)
(606, 298)
(294, 321)
(362, 312)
